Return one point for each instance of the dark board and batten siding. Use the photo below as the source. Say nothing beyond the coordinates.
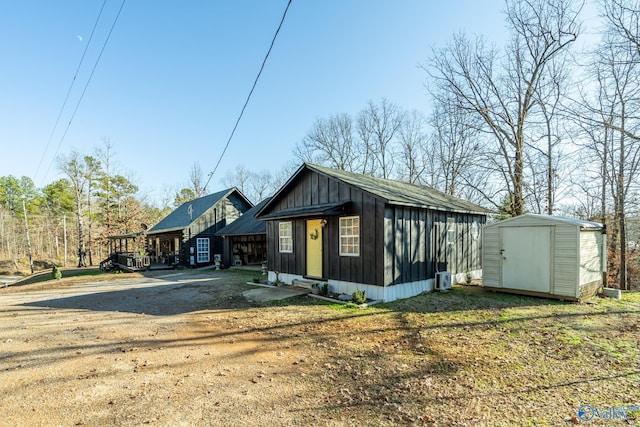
(223, 213)
(314, 189)
(410, 243)
(416, 244)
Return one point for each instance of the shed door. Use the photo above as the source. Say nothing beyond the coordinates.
(314, 248)
(526, 258)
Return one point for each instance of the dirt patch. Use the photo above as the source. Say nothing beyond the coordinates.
(189, 349)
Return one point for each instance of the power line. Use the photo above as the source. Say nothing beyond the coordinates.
(75, 110)
(73, 81)
(250, 93)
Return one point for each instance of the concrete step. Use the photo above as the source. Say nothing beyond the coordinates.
(305, 283)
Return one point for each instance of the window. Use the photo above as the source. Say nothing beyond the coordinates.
(451, 231)
(475, 230)
(202, 248)
(286, 237)
(350, 236)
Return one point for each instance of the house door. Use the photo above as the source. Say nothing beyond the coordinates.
(314, 248)
(526, 258)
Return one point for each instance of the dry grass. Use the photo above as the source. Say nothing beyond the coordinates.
(465, 357)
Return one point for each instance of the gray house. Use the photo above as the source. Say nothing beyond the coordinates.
(187, 236)
(355, 231)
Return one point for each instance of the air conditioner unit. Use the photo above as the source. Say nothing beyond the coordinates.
(443, 281)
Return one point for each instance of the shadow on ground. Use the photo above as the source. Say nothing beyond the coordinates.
(160, 300)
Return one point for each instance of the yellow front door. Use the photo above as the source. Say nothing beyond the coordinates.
(314, 248)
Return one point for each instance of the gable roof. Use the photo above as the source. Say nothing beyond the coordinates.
(188, 212)
(392, 192)
(247, 224)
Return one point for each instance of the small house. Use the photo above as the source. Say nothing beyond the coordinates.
(544, 255)
(353, 231)
(187, 236)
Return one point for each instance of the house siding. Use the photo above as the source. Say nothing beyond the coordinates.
(314, 189)
(401, 246)
(411, 256)
(213, 220)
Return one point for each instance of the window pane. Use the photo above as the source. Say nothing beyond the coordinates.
(202, 250)
(286, 237)
(350, 236)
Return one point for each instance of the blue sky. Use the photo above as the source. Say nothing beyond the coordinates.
(174, 76)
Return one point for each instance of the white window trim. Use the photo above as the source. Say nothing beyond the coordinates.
(340, 236)
(281, 237)
(206, 253)
(451, 230)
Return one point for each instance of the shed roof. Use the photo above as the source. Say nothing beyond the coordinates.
(549, 219)
(393, 192)
(185, 214)
(247, 224)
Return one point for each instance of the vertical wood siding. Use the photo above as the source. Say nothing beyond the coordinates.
(210, 222)
(416, 244)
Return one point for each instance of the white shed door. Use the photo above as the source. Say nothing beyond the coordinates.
(526, 258)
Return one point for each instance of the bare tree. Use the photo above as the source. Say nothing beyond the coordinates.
(196, 179)
(239, 178)
(412, 138)
(93, 170)
(378, 126)
(623, 18)
(73, 167)
(329, 142)
(502, 90)
(609, 119)
(260, 186)
(455, 143)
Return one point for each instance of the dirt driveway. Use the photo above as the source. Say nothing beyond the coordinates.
(175, 349)
(189, 349)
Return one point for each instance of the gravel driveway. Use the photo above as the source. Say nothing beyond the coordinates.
(174, 349)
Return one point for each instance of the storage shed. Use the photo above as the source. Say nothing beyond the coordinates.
(544, 255)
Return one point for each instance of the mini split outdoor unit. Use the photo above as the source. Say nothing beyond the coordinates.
(443, 281)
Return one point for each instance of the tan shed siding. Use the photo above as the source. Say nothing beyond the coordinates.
(491, 259)
(590, 256)
(565, 257)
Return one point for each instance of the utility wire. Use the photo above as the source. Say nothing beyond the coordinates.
(73, 81)
(250, 93)
(75, 110)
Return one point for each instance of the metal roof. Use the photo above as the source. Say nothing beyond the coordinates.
(188, 212)
(247, 224)
(394, 192)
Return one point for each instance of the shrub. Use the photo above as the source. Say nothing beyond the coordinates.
(359, 297)
(324, 289)
(56, 273)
